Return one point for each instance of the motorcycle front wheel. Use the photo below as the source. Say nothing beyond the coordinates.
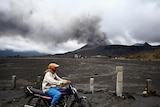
(37, 102)
(81, 103)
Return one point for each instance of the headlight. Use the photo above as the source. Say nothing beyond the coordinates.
(74, 90)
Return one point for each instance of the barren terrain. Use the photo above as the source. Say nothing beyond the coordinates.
(79, 72)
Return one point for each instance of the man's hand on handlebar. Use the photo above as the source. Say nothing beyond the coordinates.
(66, 82)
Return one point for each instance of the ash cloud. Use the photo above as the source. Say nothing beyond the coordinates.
(13, 19)
(51, 23)
(84, 28)
(10, 25)
(88, 29)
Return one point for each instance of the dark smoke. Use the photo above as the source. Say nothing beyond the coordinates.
(47, 23)
(13, 27)
(87, 29)
(13, 22)
(24, 20)
(84, 28)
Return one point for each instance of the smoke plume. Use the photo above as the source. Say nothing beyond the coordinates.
(88, 29)
(30, 24)
(52, 24)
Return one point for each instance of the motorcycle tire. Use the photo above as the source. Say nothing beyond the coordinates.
(81, 103)
(37, 102)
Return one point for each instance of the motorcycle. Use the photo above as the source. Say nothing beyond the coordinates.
(69, 98)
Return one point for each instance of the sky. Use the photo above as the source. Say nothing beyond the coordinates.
(58, 26)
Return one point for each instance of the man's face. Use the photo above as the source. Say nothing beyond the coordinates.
(53, 70)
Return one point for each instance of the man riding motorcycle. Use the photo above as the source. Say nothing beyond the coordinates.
(51, 81)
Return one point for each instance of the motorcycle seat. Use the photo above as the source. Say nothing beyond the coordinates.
(35, 91)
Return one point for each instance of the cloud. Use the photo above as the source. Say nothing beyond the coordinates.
(133, 21)
(53, 26)
(12, 18)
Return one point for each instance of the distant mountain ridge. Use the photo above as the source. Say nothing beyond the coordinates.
(92, 51)
(109, 50)
(142, 44)
(18, 54)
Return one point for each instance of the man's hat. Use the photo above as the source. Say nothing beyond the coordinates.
(53, 66)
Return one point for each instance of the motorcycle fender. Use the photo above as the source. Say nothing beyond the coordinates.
(83, 97)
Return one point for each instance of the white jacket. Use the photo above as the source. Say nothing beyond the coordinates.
(51, 80)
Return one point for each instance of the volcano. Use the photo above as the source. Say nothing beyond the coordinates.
(109, 50)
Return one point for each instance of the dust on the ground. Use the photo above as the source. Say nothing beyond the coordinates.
(79, 72)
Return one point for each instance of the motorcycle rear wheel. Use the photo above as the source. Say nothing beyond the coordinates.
(37, 102)
(81, 103)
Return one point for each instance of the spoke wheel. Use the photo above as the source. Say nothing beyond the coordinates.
(82, 103)
(37, 102)
(85, 103)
